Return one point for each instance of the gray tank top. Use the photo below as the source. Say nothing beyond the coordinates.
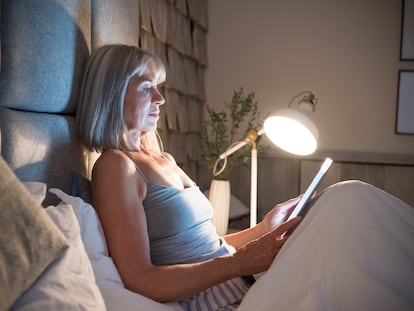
(179, 225)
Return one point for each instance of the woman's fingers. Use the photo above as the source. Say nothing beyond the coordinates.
(289, 204)
(284, 227)
(280, 213)
(258, 255)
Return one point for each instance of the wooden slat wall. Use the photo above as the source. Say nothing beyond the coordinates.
(395, 179)
(176, 31)
(280, 179)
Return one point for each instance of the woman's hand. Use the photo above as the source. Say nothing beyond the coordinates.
(272, 220)
(278, 214)
(258, 255)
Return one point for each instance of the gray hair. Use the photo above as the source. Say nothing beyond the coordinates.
(100, 108)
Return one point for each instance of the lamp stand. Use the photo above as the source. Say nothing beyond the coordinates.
(253, 188)
(250, 139)
(252, 136)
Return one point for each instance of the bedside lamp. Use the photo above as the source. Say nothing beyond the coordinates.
(290, 129)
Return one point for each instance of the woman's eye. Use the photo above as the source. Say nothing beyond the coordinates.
(145, 89)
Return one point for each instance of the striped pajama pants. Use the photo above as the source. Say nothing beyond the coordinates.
(223, 297)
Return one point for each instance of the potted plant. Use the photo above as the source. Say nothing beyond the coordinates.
(221, 130)
(232, 124)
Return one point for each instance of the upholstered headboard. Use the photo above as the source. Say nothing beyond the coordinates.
(43, 49)
(44, 45)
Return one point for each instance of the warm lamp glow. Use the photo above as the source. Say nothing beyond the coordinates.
(292, 131)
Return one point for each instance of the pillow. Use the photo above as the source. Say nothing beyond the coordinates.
(116, 296)
(37, 190)
(29, 241)
(69, 282)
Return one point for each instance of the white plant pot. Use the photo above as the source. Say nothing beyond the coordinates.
(219, 197)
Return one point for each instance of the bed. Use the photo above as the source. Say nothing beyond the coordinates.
(53, 253)
(44, 45)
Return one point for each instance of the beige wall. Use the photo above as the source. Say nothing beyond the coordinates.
(345, 51)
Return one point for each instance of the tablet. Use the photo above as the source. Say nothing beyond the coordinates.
(307, 196)
(311, 188)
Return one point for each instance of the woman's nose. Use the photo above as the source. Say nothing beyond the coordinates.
(158, 98)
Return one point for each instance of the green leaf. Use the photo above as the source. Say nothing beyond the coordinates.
(222, 128)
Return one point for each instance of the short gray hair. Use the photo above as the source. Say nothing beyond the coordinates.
(106, 77)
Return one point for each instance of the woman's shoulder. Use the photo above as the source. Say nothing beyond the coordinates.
(116, 167)
(113, 160)
(112, 155)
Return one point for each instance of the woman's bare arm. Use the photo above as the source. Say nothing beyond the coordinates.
(118, 192)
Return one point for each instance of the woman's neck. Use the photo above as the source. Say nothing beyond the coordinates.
(132, 140)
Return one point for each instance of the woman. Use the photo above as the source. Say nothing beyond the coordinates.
(156, 221)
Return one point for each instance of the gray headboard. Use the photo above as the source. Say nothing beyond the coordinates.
(44, 45)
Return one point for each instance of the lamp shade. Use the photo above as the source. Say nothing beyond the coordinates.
(292, 130)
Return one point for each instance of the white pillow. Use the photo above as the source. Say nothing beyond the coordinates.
(116, 296)
(36, 189)
(68, 283)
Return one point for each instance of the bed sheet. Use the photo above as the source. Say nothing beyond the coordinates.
(353, 251)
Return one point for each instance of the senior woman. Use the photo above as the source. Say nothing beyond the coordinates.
(156, 221)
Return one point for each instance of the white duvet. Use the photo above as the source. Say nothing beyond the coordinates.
(353, 251)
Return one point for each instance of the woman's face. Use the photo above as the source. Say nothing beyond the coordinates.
(142, 103)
